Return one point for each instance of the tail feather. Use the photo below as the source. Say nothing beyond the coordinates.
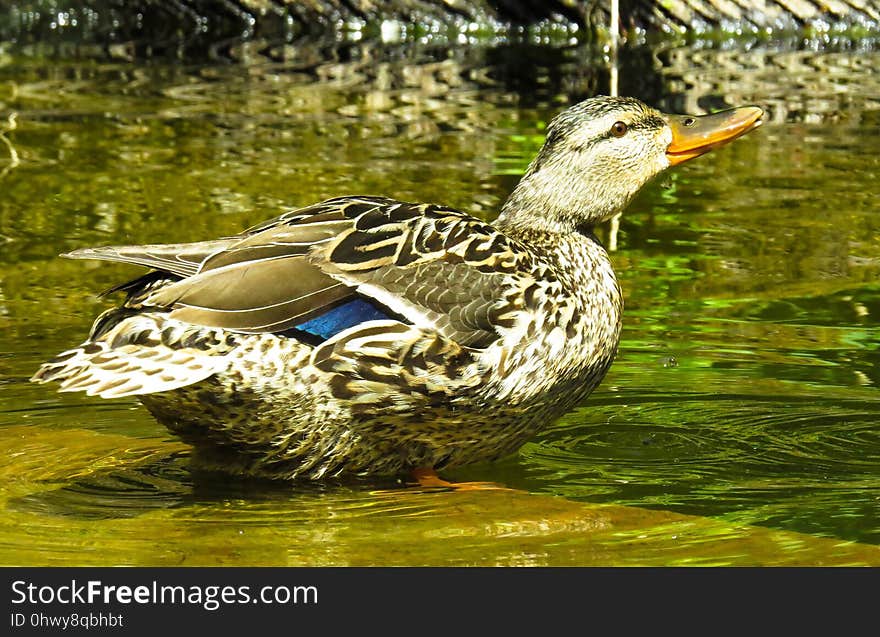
(130, 370)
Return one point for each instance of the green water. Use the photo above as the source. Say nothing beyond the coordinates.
(739, 424)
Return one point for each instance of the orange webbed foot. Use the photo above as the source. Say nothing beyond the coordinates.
(427, 478)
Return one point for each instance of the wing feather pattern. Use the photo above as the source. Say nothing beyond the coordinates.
(435, 267)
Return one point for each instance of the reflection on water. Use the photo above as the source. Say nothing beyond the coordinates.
(746, 457)
(121, 500)
(738, 425)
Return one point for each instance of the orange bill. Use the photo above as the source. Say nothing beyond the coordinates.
(694, 135)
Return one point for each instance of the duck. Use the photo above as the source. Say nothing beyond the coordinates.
(365, 336)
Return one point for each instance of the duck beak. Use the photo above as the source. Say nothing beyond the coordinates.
(694, 135)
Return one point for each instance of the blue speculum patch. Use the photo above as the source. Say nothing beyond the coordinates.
(341, 318)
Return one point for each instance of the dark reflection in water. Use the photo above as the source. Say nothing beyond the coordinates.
(745, 391)
(125, 493)
(168, 482)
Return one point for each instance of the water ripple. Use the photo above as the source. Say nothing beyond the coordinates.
(714, 455)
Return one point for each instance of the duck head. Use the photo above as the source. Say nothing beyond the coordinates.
(599, 153)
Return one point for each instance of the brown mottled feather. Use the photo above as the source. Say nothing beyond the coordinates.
(283, 272)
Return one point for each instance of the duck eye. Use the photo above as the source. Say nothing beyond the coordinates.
(618, 129)
(689, 121)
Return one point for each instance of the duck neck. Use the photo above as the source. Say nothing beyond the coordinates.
(557, 202)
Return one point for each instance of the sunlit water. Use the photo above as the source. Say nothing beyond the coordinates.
(739, 424)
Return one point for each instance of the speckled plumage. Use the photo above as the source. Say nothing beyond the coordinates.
(487, 332)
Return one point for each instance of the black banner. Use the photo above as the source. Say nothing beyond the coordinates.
(239, 601)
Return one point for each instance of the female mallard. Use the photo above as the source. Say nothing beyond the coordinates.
(364, 335)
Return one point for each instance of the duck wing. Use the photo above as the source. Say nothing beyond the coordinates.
(431, 266)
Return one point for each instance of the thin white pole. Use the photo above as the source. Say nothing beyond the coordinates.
(613, 30)
(614, 226)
